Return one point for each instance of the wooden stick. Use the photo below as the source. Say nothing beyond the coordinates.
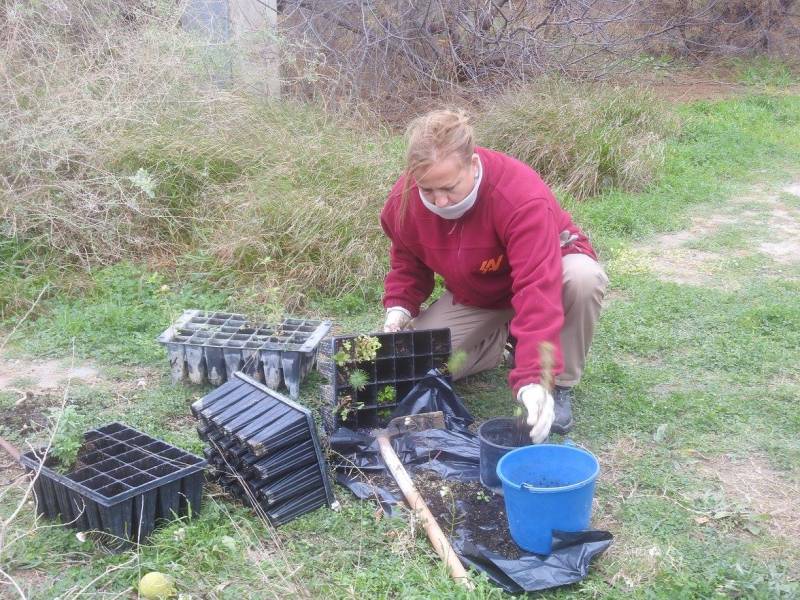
(435, 534)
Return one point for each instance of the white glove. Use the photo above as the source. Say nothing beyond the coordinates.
(397, 319)
(541, 412)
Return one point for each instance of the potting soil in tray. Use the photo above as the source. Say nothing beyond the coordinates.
(402, 360)
(123, 483)
(212, 346)
(264, 448)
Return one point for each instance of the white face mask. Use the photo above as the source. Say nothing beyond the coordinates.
(455, 211)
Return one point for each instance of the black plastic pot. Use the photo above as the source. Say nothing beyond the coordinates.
(264, 448)
(124, 483)
(211, 346)
(498, 437)
(402, 360)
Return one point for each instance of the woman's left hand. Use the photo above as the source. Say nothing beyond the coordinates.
(397, 319)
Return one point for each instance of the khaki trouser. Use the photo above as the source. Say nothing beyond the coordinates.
(482, 332)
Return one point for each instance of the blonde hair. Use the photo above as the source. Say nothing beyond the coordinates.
(432, 137)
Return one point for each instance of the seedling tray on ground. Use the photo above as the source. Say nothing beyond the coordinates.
(402, 360)
(212, 346)
(123, 483)
(264, 448)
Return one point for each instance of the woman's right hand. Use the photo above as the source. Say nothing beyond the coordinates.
(538, 402)
(397, 319)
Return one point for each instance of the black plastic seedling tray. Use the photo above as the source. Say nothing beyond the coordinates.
(401, 361)
(123, 484)
(211, 346)
(264, 448)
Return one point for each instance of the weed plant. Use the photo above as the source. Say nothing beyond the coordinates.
(68, 429)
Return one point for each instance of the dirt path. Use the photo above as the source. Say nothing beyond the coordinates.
(35, 387)
(29, 375)
(759, 230)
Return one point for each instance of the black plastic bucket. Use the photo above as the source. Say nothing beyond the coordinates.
(498, 437)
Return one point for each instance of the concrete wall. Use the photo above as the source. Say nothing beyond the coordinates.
(242, 49)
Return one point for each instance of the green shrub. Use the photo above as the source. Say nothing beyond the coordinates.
(68, 428)
(581, 138)
(306, 218)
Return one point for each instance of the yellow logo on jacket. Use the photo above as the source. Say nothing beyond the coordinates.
(491, 264)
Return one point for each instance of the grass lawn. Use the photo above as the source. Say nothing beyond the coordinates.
(689, 400)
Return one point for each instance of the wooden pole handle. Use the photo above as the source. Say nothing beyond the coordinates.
(435, 534)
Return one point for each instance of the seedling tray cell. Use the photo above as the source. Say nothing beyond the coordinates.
(211, 346)
(265, 449)
(401, 360)
(124, 482)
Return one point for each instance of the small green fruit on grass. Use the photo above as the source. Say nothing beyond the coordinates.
(155, 586)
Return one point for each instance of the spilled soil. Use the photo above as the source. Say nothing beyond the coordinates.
(468, 506)
(461, 506)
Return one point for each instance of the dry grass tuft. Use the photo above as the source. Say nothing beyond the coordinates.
(581, 138)
(76, 83)
(753, 483)
(116, 144)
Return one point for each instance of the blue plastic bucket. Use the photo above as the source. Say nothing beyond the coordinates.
(547, 487)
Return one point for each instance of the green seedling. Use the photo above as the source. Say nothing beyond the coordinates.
(385, 413)
(456, 361)
(482, 496)
(345, 354)
(358, 379)
(346, 406)
(386, 395)
(367, 347)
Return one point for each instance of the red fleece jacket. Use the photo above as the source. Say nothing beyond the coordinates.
(504, 252)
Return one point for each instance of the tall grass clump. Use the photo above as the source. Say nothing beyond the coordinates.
(78, 79)
(116, 143)
(581, 138)
(306, 220)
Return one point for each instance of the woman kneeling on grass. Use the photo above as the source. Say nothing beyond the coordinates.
(509, 255)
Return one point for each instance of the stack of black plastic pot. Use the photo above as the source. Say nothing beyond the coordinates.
(400, 362)
(124, 483)
(264, 448)
(212, 346)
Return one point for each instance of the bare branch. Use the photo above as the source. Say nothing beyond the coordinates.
(381, 47)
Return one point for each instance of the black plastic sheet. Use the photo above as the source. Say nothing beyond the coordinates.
(435, 393)
(567, 563)
(388, 499)
(454, 454)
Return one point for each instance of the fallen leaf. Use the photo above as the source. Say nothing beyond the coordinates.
(753, 528)
(228, 542)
